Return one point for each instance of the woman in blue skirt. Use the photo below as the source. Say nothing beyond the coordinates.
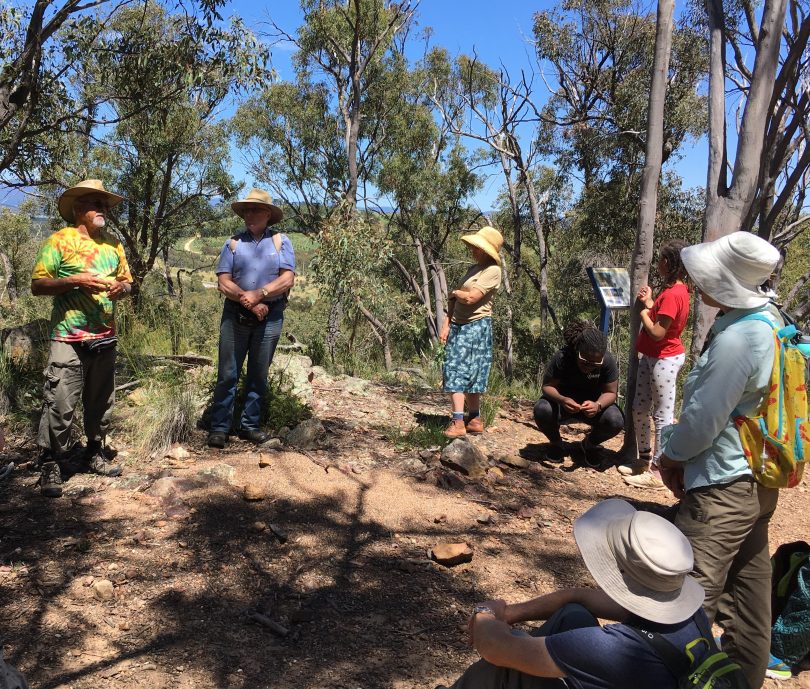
(467, 331)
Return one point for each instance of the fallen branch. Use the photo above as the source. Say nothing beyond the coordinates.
(272, 625)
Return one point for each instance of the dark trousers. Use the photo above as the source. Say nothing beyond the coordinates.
(548, 415)
(485, 675)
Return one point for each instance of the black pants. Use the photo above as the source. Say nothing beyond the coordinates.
(485, 675)
(548, 415)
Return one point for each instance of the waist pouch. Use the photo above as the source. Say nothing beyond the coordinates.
(102, 344)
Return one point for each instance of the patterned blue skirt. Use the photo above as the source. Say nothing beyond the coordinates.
(468, 356)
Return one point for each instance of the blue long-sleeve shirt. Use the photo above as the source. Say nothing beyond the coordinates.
(732, 374)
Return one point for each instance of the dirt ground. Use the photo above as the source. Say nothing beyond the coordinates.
(325, 582)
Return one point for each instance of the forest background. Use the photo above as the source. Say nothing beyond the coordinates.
(377, 147)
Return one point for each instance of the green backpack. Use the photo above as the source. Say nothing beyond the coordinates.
(712, 669)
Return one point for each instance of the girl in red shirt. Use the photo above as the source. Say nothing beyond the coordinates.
(661, 356)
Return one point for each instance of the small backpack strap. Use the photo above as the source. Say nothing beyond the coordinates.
(676, 662)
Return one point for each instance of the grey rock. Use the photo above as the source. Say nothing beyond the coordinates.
(172, 485)
(272, 444)
(514, 461)
(221, 472)
(465, 457)
(297, 372)
(307, 435)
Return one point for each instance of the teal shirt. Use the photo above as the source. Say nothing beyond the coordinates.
(733, 373)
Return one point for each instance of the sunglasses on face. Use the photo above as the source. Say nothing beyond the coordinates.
(93, 205)
(588, 362)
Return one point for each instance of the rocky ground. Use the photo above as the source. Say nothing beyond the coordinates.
(296, 568)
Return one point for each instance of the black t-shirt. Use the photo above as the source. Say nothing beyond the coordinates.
(576, 384)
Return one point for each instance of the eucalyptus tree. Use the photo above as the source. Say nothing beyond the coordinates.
(42, 96)
(171, 161)
(319, 153)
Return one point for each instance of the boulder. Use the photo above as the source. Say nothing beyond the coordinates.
(297, 372)
(307, 435)
(464, 456)
(26, 344)
(221, 472)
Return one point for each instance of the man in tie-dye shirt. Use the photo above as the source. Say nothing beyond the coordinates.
(85, 270)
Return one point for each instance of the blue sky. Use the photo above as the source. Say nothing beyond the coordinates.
(499, 32)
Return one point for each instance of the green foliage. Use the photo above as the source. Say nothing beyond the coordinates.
(168, 415)
(426, 434)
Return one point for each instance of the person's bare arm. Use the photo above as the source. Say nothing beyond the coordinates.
(274, 288)
(228, 287)
(468, 295)
(656, 330)
(89, 282)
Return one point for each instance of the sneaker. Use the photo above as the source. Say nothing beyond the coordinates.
(475, 425)
(217, 439)
(632, 469)
(777, 669)
(645, 480)
(99, 465)
(254, 436)
(50, 480)
(456, 429)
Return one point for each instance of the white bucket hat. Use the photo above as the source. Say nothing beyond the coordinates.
(732, 269)
(640, 560)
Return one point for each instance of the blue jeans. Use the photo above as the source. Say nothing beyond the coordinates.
(239, 338)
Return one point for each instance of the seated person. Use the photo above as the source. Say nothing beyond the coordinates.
(641, 562)
(580, 383)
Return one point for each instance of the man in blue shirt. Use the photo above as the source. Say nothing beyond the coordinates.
(641, 563)
(255, 272)
(724, 512)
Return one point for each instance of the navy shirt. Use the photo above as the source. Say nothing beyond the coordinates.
(615, 657)
(255, 263)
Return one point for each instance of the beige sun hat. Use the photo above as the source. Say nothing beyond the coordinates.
(83, 188)
(731, 269)
(260, 198)
(488, 239)
(640, 560)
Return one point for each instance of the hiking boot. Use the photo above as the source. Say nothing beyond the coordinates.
(99, 465)
(777, 669)
(475, 425)
(555, 454)
(217, 439)
(50, 480)
(254, 435)
(592, 455)
(456, 429)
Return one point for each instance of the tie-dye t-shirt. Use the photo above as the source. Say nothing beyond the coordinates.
(77, 315)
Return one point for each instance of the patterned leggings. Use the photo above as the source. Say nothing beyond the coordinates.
(655, 392)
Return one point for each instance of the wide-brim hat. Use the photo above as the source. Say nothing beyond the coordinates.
(257, 197)
(731, 269)
(488, 239)
(640, 560)
(84, 188)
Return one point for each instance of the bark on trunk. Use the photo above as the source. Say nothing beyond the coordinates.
(650, 176)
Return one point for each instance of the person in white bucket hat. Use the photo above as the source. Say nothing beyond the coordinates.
(641, 564)
(724, 512)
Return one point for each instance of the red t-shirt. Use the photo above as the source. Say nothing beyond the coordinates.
(673, 302)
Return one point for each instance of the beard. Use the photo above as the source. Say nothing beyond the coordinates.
(99, 221)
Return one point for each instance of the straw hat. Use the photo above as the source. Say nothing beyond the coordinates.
(84, 188)
(732, 269)
(489, 240)
(640, 560)
(257, 197)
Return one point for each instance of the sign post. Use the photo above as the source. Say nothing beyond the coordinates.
(612, 289)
